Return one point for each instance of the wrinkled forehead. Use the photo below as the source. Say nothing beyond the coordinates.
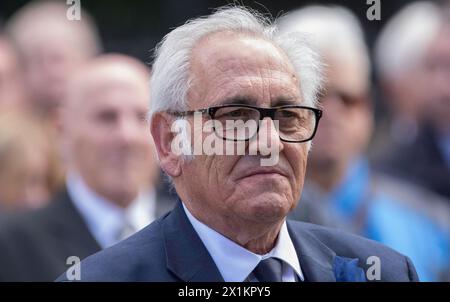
(232, 50)
(226, 61)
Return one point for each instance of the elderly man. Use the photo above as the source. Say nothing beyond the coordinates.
(111, 174)
(230, 223)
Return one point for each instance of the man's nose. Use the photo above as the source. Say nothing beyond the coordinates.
(268, 138)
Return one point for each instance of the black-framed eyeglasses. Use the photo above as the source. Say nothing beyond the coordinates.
(294, 123)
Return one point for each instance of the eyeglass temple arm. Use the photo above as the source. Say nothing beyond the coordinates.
(186, 113)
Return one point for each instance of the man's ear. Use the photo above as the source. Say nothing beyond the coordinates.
(160, 128)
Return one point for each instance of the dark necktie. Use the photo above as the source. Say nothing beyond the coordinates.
(268, 270)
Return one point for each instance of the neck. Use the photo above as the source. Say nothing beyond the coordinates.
(265, 242)
(121, 200)
(259, 238)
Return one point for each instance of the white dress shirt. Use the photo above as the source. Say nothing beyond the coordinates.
(236, 263)
(104, 219)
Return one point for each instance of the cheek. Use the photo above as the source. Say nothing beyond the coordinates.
(225, 168)
(213, 169)
(89, 151)
(212, 174)
(357, 131)
(297, 157)
(195, 174)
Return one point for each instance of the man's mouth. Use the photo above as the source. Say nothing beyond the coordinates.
(263, 172)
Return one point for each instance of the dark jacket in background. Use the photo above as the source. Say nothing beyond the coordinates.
(34, 246)
(421, 163)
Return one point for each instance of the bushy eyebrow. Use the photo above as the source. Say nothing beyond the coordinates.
(235, 100)
(282, 101)
(245, 100)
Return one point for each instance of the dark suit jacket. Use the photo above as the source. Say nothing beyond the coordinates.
(34, 246)
(170, 250)
(421, 163)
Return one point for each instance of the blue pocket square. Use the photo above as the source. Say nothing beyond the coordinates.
(347, 270)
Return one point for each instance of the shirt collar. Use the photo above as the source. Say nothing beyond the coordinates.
(234, 262)
(142, 210)
(104, 218)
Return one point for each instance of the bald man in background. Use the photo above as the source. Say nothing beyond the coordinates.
(51, 48)
(110, 192)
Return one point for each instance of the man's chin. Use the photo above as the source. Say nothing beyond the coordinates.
(122, 194)
(260, 185)
(269, 206)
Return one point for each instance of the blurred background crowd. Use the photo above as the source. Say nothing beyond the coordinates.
(78, 171)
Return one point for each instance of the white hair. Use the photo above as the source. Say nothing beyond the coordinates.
(405, 38)
(334, 29)
(171, 80)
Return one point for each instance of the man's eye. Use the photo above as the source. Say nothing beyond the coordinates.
(287, 113)
(141, 116)
(107, 117)
(235, 113)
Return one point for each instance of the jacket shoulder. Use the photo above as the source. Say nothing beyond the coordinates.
(28, 223)
(393, 265)
(20, 231)
(23, 239)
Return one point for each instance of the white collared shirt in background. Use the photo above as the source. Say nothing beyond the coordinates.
(105, 219)
(236, 263)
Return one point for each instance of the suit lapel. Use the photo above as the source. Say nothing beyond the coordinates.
(186, 255)
(69, 229)
(318, 262)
